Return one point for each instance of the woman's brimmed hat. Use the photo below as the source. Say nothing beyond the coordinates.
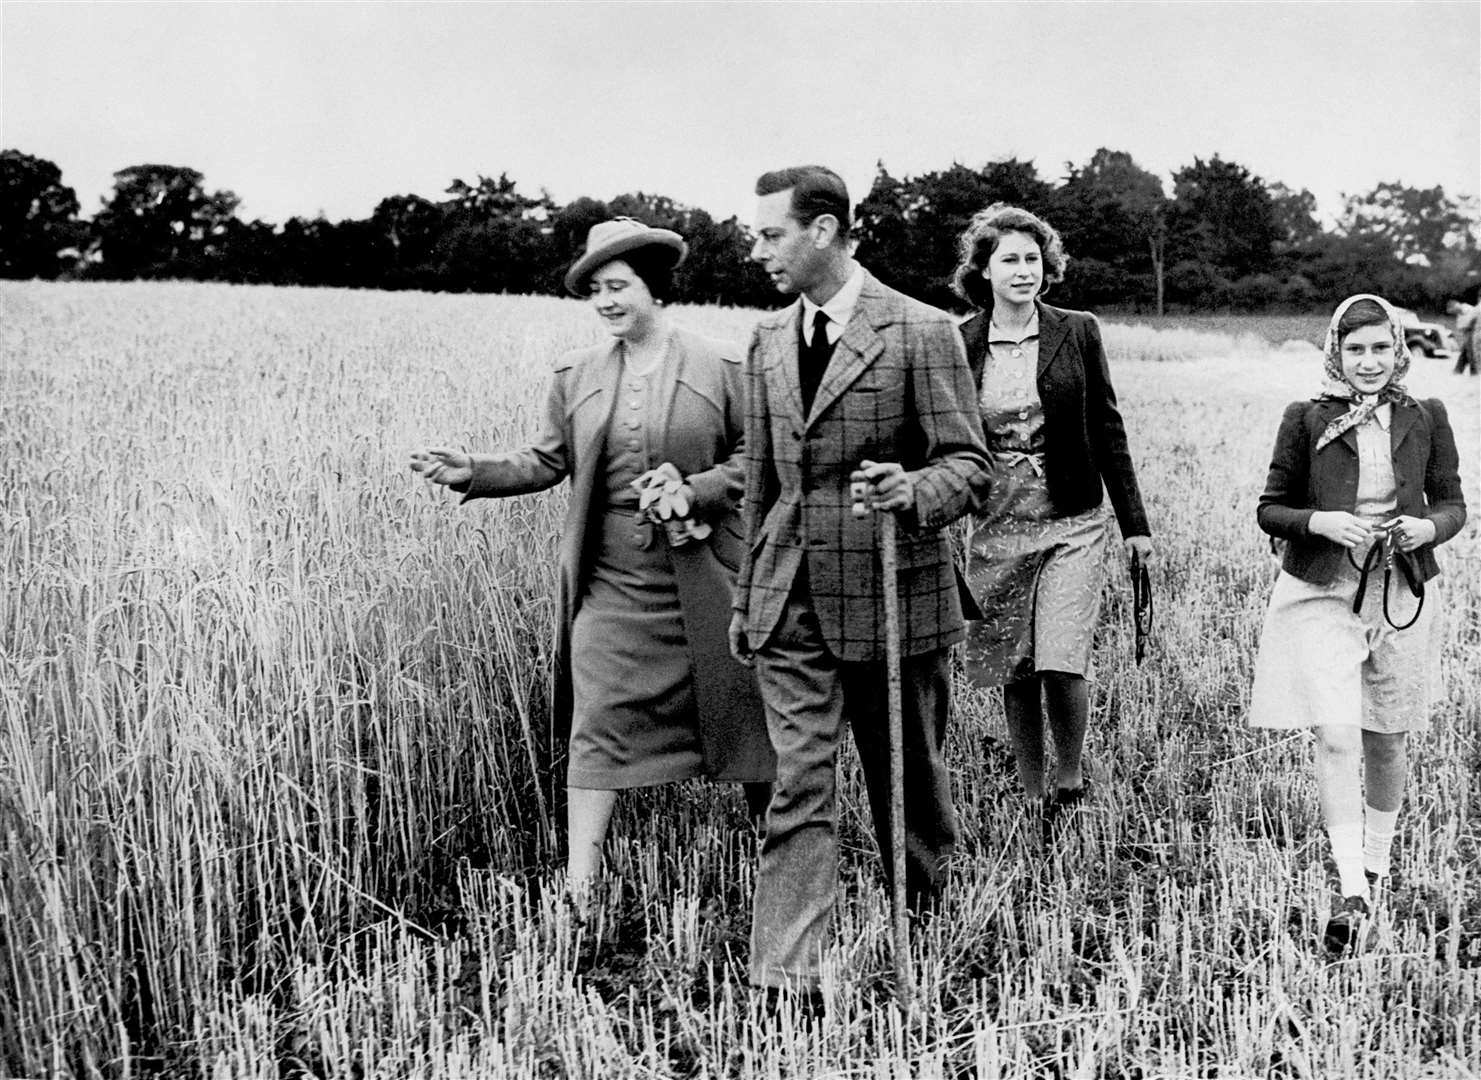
(608, 240)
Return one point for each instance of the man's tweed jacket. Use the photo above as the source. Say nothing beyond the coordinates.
(897, 389)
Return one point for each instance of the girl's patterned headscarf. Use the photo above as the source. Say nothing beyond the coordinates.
(1336, 387)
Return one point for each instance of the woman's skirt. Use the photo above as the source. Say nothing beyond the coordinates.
(1037, 578)
(634, 721)
(1320, 664)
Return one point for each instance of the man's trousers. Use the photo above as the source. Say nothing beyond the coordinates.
(808, 694)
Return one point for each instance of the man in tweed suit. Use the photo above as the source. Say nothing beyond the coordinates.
(854, 382)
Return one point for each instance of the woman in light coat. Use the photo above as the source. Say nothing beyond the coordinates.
(644, 676)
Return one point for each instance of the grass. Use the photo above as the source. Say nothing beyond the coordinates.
(272, 788)
(1270, 329)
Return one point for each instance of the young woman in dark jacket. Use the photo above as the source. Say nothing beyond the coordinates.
(1344, 652)
(1035, 552)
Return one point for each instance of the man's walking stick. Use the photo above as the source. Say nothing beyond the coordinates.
(890, 563)
(904, 980)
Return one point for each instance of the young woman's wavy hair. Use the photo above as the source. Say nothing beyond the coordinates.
(976, 245)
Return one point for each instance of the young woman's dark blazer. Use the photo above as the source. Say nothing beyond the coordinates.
(1084, 438)
(1302, 481)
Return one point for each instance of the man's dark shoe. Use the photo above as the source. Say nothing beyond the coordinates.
(1066, 798)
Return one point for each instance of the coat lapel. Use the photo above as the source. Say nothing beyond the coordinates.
(1053, 329)
(606, 378)
(1348, 438)
(1327, 410)
(677, 361)
(974, 337)
(780, 362)
(1401, 422)
(859, 347)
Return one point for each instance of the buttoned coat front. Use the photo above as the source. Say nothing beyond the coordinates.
(701, 437)
(1303, 480)
(897, 389)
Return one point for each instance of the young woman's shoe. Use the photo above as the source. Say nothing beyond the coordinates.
(1059, 808)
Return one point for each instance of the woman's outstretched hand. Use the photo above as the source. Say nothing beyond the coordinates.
(442, 465)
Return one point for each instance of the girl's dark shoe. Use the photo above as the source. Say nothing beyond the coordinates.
(1347, 927)
(1376, 884)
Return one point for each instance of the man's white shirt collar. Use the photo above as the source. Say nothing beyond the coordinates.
(839, 309)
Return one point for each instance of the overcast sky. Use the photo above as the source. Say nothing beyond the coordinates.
(307, 107)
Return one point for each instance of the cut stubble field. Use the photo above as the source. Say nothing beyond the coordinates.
(275, 796)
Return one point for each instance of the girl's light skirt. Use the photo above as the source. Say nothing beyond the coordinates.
(1320, 664)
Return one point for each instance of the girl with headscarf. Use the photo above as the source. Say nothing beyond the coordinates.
(1363, 464)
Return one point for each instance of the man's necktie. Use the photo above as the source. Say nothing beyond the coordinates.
(813, 360)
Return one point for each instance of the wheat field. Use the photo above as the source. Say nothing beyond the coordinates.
(273, 788)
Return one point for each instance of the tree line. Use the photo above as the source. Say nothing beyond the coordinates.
(1223, 239)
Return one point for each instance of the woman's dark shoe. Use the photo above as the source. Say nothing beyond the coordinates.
(1059, 808)
(1347, 928)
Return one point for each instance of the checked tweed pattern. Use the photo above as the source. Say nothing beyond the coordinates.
(896, 389)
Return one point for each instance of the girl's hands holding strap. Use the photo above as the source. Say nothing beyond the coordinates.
(1340, 527)
(1411, 532)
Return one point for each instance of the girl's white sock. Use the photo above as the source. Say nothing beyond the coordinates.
(1347, 853)
(1378, 839)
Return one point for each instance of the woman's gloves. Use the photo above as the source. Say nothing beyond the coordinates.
(664, 498)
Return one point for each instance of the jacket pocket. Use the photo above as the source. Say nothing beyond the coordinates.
(728, 544)
(583, 401)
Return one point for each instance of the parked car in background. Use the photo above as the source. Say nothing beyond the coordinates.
(1426, 338)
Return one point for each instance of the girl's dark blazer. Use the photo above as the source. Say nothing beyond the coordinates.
(1303, 481)
(1084, 438)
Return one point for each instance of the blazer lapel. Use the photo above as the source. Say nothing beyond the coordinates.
(974, 337)
(1053, 329)
(782, 360)
(1331, 410)
(1401, 421)
(1323, 411)
(859, 347)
